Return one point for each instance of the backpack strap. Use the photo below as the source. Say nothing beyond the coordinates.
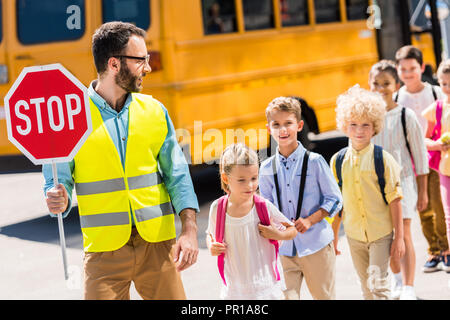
(434, 93)
(379, 169)
(220, 232)
(338, 166)
(439, 113)
(302, 184)
(301, 190)
(263, 214)
(438, 126)
(275, 179)
(405, 133)
(261, 209)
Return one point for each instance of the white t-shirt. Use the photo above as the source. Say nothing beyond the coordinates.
(248, 268)
(419, 101)
(392, 139)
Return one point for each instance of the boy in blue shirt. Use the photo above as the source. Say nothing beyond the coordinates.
(311, 254)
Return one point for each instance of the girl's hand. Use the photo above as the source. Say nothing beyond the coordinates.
(217, 248)
(438, 145)
(445, 147)
(269, 232)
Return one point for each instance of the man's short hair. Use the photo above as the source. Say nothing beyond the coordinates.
(111, 39)
(409, 52)
(287, 104)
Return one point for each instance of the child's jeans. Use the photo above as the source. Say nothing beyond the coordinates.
(371, 261)
(445, 195)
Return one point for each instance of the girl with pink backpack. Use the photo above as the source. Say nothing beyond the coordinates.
(438, 117)
(244, 231)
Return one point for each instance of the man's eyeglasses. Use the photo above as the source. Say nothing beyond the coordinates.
(142, 59)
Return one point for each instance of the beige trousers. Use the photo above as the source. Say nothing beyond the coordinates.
(371, 261)
(319, 271)
(108, 275)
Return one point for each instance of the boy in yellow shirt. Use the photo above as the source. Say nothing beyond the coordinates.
(370, 215)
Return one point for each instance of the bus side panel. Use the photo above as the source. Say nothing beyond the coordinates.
(227, 82)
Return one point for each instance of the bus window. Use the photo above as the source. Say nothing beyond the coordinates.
(294, 12)
(357, 9)
(327, 11)
(50, 20)
(219, 16)
(136, 12)
(258, 14)
(1, 22)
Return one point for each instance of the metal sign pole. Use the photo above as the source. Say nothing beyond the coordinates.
(62, 239)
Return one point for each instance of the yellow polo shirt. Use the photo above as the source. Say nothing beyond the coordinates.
(366, 216)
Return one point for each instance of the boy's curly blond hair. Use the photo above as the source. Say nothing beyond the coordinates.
(360, 104)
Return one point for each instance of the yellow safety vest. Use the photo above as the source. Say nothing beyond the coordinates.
(105, 190)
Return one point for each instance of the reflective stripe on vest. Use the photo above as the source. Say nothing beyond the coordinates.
(111, 185)
(148, 213)
(120, 218)
(106, 190)
(104, 219)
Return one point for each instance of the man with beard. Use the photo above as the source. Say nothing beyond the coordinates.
(129, 176)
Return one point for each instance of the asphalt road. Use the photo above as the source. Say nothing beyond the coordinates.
(31, 264)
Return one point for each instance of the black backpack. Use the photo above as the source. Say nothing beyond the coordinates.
(379, 169)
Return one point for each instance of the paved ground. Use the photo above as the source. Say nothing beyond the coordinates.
(31, 263)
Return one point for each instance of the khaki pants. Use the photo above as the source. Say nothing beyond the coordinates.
(319, 271)
(150, 266)
(371, 261)
(433, 218)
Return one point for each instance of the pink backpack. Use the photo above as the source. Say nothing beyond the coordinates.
(263, 214)
(434, 157)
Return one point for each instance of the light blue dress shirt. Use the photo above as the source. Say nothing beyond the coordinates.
(321, 191)
(172, 163)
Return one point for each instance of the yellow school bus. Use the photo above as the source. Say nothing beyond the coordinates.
(216, 63)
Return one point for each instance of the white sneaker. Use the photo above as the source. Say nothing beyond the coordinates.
(408, 293)
(396, 289)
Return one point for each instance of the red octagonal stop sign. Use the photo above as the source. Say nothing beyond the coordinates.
(47, 114)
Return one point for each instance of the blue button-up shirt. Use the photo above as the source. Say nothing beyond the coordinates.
(321, 191)
(172, 164)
